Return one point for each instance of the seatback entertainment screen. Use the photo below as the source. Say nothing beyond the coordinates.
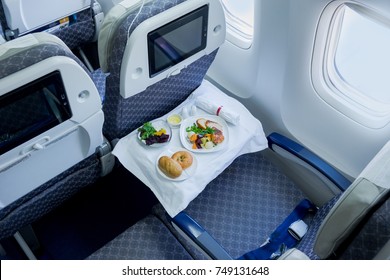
(177, 40)
(32, 109)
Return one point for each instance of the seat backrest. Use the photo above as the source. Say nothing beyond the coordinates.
(74, 22)
(50, 122)
(363, 204)
(149, 75)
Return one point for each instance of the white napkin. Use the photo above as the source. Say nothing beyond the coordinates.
(220, 110)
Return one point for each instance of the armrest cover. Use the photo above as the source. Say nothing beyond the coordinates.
(200, 236)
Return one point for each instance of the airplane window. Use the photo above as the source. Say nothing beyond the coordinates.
(355, 63)
(239, 21)
(362, 58)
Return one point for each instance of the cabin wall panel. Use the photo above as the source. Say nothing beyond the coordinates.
(273, 79)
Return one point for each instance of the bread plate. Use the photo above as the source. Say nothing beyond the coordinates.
(191, 121)
(187, 173)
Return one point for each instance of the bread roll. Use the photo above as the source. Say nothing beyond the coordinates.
(170, 167)
(184, 158)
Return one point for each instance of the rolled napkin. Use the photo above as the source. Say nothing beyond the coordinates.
(217, 109)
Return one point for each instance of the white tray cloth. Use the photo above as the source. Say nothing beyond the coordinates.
(246, 137)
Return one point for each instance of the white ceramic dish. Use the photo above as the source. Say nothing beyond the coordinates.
(158, 124)
(174, 120)
(192, 120)
(187, 173)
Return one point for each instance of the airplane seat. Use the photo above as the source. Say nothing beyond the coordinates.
(231, 220)
(156, 53)
(238, 209)
(151, 71)
(365, 242)
(75, 23)
(51, 141)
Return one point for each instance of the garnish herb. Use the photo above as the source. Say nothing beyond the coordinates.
(198, 130)
(147, 130)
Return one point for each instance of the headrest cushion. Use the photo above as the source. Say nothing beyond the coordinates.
(25, 42)
(111, 23)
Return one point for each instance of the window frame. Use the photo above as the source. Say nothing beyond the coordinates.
(329, 85)
(238, 31)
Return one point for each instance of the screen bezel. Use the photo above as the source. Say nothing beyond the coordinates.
(51, 79)
(154, 35)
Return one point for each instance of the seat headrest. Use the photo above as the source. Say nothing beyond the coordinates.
(162, 37)
(13, 47)
(111, 23)
(21, 16)
(369, 188)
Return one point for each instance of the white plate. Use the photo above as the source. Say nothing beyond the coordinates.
(187, 173)
(158, 124)
(190, 121)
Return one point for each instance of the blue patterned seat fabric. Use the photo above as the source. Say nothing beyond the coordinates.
(48, 196)
(99, 78)
(148, 239)
(124, 115)
(80, 32)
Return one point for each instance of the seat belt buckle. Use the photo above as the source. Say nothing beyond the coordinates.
(298, 229)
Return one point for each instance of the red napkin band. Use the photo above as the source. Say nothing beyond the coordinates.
(219, 110)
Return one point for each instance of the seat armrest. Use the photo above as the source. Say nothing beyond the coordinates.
(197, 234)
(275, 139)
(293, 254)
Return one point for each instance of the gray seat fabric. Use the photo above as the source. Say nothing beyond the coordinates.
(242, 206)
(3, 20)
(148, 239)
(307, 243)
(363, 244)
(124, 115)
(371, 237)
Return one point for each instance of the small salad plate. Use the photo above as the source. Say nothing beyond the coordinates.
(155, 134)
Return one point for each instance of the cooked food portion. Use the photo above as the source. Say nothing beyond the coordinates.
(205, 134)
(201, 123)
(170, 167)
(184, 158)
(214, 125)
